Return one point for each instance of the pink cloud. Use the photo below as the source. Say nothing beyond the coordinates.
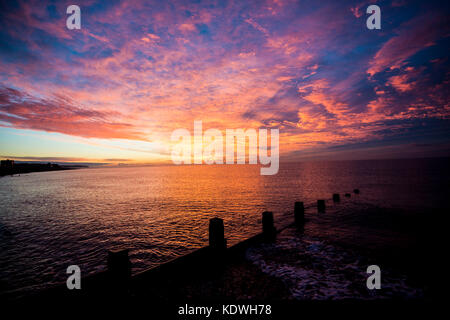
(268, 67)
(413, 36)
(401, 83)
(60, 115)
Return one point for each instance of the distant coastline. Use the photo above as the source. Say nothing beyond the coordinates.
(9, 167)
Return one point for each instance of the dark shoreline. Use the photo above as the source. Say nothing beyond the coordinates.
(22, 168)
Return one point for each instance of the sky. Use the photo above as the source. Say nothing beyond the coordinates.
(115, 90)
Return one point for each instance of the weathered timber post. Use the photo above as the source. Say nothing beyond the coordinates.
(269, 231)
(217, 239)
(336, 197)
(299, 214)
(321, 205)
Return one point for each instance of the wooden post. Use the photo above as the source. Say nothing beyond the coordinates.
(299, 214)
(320, 205)
(336, 197)
(216, 234)
(119, 270)
(356, 191)
(269, 231)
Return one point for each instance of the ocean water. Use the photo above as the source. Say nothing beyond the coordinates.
(50, 220)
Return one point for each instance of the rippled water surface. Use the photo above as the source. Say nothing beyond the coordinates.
(50, 220)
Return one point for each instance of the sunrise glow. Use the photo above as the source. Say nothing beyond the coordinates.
(116, 89)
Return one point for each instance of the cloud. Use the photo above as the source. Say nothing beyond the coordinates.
(401, 83)
(257, 26)
(59, 114)
(412, 37)
(137, 70)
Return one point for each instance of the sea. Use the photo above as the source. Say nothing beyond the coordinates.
(50, 220)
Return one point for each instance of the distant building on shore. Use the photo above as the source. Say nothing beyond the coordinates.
(7, 164)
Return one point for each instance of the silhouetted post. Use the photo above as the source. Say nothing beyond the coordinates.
(348, 195)
(269, 231)
(356, 191)
(336, 197)
(321, 205)
(119, 269)
(299, 214)
(216, 234)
